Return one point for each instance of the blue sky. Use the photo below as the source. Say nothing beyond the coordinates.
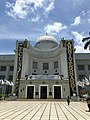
(29, 19)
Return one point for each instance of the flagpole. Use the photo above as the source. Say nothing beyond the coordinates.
(2, 89)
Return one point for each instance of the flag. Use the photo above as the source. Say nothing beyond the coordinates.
(6, 82)
(89, 77)
(81, 84)
(2, 82)
(26, 77)
(11, 83)
(86, 81)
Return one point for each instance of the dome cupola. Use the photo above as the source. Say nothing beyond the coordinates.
(46, 42)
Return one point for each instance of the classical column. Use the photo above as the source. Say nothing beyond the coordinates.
(15, 66)
(7, 72)
(51, 68)
(24, 63)
(86, 71)
(64, 70)
(40, 68)
(15, 70)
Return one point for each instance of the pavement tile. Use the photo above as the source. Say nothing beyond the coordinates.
(63, 119)
(53, 118)
(26, 118)
(43, 110)
(5, 119)
(44, 118)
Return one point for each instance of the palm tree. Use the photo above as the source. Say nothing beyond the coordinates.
(87, 42)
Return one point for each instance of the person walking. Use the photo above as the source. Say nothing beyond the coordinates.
(68, 100)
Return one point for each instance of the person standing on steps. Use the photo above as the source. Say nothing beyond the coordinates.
(68, 100)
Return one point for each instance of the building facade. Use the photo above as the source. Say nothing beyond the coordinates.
(46, 70)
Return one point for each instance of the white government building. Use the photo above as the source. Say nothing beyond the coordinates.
(46, 70)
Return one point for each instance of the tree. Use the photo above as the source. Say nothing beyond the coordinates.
(87, 42)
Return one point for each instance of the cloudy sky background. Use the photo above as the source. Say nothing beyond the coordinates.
(29, 19)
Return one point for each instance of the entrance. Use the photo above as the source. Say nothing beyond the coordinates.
(43, 92)
(30, 92)
(57, 92)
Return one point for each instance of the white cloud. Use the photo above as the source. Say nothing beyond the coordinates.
(6, 52)
(50, 7)
(77, 21)
(80, 49)
(89, 20)
(78, 37)
(79, 44)
(8, 5)
(56, 27)
(35, 19)
(83, 13)
(19, 9)
(23, 8)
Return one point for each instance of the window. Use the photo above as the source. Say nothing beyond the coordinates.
(45, 66)
(3, 68)
(11, 68)
(10, 78)
(2, 77)
(80, 67)
(35, 65)
(81, 77)
(88, 67)
(56, 64)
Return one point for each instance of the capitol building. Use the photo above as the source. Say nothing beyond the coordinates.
(47, 70)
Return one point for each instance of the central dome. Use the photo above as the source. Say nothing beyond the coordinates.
(46, 37)
(46, 42)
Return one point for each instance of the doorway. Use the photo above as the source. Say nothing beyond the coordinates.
(57, 92)
(30, 92)
(43, 92)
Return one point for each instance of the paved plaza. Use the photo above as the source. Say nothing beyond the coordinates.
(43, 110)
